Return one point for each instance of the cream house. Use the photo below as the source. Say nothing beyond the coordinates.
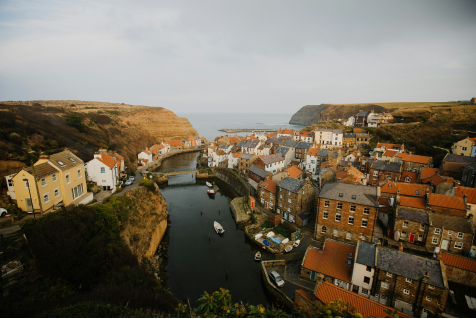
(464, 147)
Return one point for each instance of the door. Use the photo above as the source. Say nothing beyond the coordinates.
(412, 238)
(29, 207)
(313, 275)
(444, 244)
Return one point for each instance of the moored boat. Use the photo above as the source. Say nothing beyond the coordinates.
(258, 256)
(218, 228)
(211, 192)
(209, 184)
(288, 248)
(296, 243)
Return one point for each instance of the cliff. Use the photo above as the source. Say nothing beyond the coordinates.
(307, 115)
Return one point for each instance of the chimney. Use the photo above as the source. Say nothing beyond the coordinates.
(378, 191)
(409, 153)
(44, 156)
(400, 248)
(104, 151)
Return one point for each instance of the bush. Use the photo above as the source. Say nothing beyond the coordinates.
(74, 120)
(147, 183)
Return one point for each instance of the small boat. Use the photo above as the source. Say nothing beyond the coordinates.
(258, 256)
(211, 192)
(218, 228)
(208, 184)
(288, 248)
(296, 243)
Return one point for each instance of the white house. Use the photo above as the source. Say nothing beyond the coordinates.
(312, 162)
(10, 187)
(264, 150)
(328, 137)
(233, 159)
(364, 268)
(103, 170)
(145, 157)
(273, 163)
(350, 121)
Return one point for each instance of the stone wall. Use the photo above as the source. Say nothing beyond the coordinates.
(461, 276)
(240, 209)
(231, 178)
(272, 289)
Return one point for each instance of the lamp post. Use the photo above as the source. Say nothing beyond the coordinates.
(31, 200)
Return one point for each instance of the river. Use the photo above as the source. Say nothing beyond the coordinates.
(198, 258)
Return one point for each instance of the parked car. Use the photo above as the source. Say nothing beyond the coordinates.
(276, 279)
(3, 212)
(131, 178)
(128, 182)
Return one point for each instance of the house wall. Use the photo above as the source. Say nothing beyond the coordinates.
(380, 175)
(463, 147)
(444, 235)
(300, 202)
(268, 197)
(102, 179)
(461, 276)
(74, 181)
(413, 228)
(358, 275)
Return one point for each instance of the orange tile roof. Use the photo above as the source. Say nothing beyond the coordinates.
(427, 172)
(306, 134)
(390, 153)
(161, 146)
(313, 152)
(155, 152)
(414, 158)
(332, 261)
(415, 202)
(406, 189)
(458, 262)
(460, 191)
(327, 292)
(294, 172)
(174, 143)
(237, 154)
(447, 201)
(305, 294)
(118, 156)
(435, 179)
(357, 130)
(472, 139)
(148, 152)
(413, 176)
(270, 186)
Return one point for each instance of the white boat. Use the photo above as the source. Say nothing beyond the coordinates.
(208, 184)
(288, 248)
(218, 228)
(211, 191)
(258, 256)
(296, 243)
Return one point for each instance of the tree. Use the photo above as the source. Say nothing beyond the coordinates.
(74, 120)
(333, 309)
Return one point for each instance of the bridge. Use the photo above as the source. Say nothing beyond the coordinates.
(175, 172)
(237, 130)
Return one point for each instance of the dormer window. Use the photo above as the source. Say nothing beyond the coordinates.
(61, 163)
(407, 179)
(71, 159)
(417, 193)
(354, 197)
(341, 194)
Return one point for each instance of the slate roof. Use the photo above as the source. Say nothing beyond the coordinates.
(282, 150)
(246, 156)
(273, 158)
(291, 184)
(304, 145)
(412, 215)
(323, 152)
(290, 143)
(254, 143)
(258, 171)
(349, 135)
(364, 195)
(409, 266)
(363, 114)
(65, 157)
(247, 144)
(335, 154)
(366, 254)
(240, 144)
(42, 170)
(455, 223)
(459, 159)
(386, 166)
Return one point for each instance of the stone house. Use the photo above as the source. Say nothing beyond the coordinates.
(365, 164)
(412, 224)
(468, 194)
(463, 147)
(409, 177)
(459, 269)
(383, 170)
(361, 118)
(267, 194)
(257, 174)
(452, 165)
(468, 178)
(447, 205)
(450, 233)
(326, 175)
(295, 197)
(392, 189)
(348, 140)
(350, 175)
(301, 151)
(414, 162)
(362, 139)
(364, 268)
(245, 161)
(334, 263)
(347, 212)
(414, 285)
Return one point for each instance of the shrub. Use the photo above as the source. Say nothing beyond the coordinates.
(74, 120)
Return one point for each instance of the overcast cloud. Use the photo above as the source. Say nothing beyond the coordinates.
(241, 56)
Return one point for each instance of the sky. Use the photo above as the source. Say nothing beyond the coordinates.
(238, 56)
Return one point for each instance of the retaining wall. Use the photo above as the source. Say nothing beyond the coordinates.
(287, 302)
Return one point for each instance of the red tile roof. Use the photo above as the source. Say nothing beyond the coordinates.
(459, 262)
(414, 158)
(107, 160)
(174, 143)
(390, 153)
(472, 139)
(427, 172)
(415, 202)
(332, 261)
(237, 154)
(313, 152)
(406, 189)
(435, 179)
(447, 201)
(270, 186)
(327, 292)
(460, 191)
(294, 172)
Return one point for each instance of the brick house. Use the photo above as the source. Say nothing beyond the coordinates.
(301, 150)
(412, 284)
(362, 139)
(257, 174)
(414, 162)
(347, 212)
(450, 233)
(361, 118)
(382, 170)
(295, 197)
(348, 140)
(468, 177)
(390, 189)
(452, 165)
(412, 224)
(245, 161)
(267, 194)
(409, 177)
(334, 262)
(447, 205)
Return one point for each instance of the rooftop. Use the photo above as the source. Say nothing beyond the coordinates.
(459, 262)
(387, 166)
(258, 171)
(304, 145)
(273, 158)
(446, 201)
(246, 156)
(414, 158)
(415, 202)
(43, 170)
(68, 158)
(427, 172)
(294, 172)
(459, 159)
(412, 215)
(270, 186)
(455, 223)
(366, 253)
(359, 194)
(291, 184)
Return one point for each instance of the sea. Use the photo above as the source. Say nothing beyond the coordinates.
(208, 124)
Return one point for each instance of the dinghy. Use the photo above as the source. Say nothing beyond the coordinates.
(296, 243)
(258, 256)
(211, 192)
(288, 249)
(218, 228)
(208, 184)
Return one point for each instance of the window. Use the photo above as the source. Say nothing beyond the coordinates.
(428, 298)
(450, 232)
(417, 193)
(364, 222)
(57, 192)
(27, 185)
(326, 203)
(281, 196)
(384, 285)
(324, 229)
(367, 280)
(407, 179)
(289, 200)
(281, 205)
(43, 182)
(67, 179)
(289, 210)
(464, 148)
(406, 291)
(71, 159)
(458, 245)
(61, 163)
(389, 274)
(103, 170)
(437, 231)
(262, 193)
(431, 287)
(460, 235)
(354, 197)
(408, 280)
(404, 234)
(365, 291)
(422, 227)
(366, 211)
(325, 214)
(77, 191)
(434, 240)
(289, 193)
(10, 182)
(351, 220)
(336, 232)
(348, 236)
(352, 208)
(420, 237)
(79, 172)
(341, 194)
(405, 223)
(338, 217)
(339, 205)
(369, 269)
(54, 177)
(46, 198)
